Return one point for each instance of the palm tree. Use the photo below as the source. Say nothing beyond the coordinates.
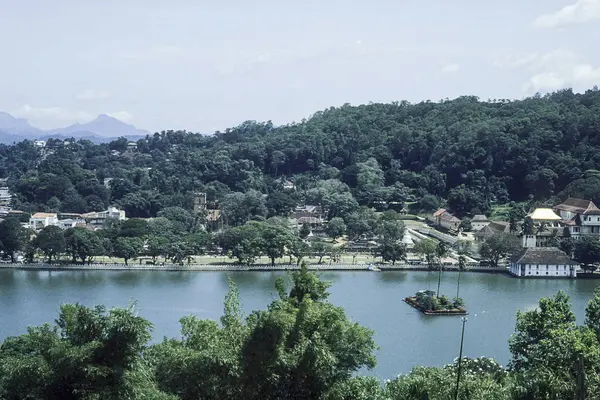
(441, 251)
(462, 261)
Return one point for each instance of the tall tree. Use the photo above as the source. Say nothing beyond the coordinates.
(13, 237)
(51, 241)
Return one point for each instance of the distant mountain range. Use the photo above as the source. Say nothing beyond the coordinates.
(102, 129)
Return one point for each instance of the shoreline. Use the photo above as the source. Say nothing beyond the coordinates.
(234, 267)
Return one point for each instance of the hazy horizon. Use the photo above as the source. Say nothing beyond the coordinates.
(204, 67)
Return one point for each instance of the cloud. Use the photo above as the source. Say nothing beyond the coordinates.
(121, 115)
(450, 68)
(50, 117)
(580, 12)
(556, 70)
(90, 94)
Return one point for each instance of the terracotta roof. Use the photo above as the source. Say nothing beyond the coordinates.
(544, 214)
(578, 206)
(479, 217)
(213, 215)
(542, 255)
(439, 212)
(43, 215)
(446, 216)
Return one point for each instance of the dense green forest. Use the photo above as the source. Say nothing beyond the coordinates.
(300, 347)
(468, 153)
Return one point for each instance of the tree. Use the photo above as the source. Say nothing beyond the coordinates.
(391, 251)
(158, 246)
(427, 248)
(527, 227)
(242, 242)
(51, 241)
(335, 227)
(127, 248)
(465, 225)
(498, 246)
(275, 240)
(134, 228)
(89, 353)
(298, 249)
(13, 237)
(82, 244)
(321, 248)
(548, 350)
(304, 231)
(587, 252)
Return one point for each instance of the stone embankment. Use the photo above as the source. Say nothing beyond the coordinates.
(233, 267)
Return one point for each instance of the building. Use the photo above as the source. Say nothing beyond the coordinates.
(97, 219)
(5, 197)
(547, 225)
(40, 144)
(70, 223)
(492, 228)
(199, 202)
(479, 222)
(446, 220)
(131, 146)
(308, 214)
(581, 217)
(543, 262)
(41, 220)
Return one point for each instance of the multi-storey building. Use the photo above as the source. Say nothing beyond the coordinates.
(5, 197)
(581, 217)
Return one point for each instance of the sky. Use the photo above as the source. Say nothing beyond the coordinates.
(207, 65)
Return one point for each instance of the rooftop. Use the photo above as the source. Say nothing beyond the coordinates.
(542, 255)
(544, 214)
(479, 218)
(43, 215)
(578, 206)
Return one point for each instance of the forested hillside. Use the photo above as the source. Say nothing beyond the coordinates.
(467, 152)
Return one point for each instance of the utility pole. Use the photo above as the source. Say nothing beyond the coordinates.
(462, 337)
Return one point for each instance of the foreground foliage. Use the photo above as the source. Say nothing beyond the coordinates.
(300, 347)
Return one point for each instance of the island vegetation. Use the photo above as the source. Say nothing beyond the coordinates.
(428, 302)
(300, 347)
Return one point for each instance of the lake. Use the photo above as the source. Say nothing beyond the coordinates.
(374, 299)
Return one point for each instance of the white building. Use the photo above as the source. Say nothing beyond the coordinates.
(69, 223)
(543, 262)
(479, 222)
(97, 219)
(5, 197)
(41, 220)
(582, 217)
(446, 220)
(39, 143)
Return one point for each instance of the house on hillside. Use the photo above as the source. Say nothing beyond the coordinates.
(97, 219)
(41, 220)
(446, 220)
(70, 223)
(492, 228)
(308, 214)
(479, 222)
(581, 217)
(5, 197)
(543, 262)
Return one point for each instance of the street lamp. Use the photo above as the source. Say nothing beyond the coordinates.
(462, 337)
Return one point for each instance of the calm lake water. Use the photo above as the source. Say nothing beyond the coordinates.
(406, 337)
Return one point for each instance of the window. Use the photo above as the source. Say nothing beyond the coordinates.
(537, 273)
(547, 267)
(546, 272)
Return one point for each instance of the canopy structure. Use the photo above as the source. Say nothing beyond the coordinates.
(544, 214)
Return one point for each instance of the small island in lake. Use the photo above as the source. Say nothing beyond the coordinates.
(429, 303)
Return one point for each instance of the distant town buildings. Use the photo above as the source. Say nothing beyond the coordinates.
(581, 217)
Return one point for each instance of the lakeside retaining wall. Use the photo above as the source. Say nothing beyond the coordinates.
(234, 267)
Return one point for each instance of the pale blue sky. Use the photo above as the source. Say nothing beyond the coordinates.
(207, 65)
